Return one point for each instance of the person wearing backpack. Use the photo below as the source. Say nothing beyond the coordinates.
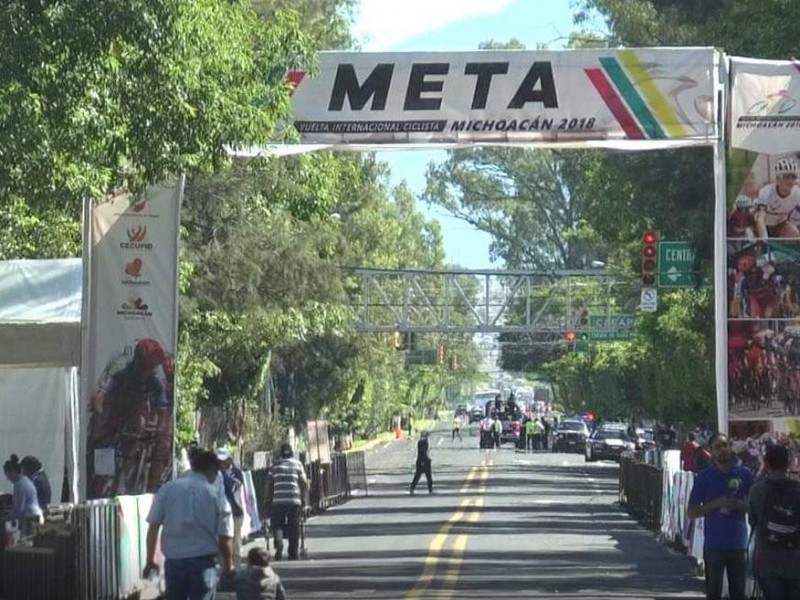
(774, 510)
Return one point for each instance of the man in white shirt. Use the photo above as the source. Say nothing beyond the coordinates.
(195, 526)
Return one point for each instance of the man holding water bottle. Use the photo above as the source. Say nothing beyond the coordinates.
(195, 526)
(719, 495)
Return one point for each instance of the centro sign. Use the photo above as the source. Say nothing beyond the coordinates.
(509, 96)
(675, 264)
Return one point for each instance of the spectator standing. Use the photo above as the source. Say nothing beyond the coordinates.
(423, 464)
(286, 493)
(774, 510)
(530, 433)
(32, 469)
(24, 502)
(688, 452)
(719, 495)
(486, 432)
(456, 429)
(545, 433)
(497, 431)
(194, 523)
(233, 484)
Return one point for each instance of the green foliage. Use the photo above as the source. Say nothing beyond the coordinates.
(107, 94)
(755, 28)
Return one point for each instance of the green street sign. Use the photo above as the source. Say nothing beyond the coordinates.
(582, 346)
(675, 264)
(610, 328)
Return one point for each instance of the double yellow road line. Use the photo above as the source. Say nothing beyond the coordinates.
(469, 510)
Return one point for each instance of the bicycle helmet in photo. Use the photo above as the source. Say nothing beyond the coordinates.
(786, 166)
(743, 202)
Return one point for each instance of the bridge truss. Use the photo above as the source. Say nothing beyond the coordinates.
(488, 301)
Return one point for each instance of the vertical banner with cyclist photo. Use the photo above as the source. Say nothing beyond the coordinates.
(129, 353)
(763, 252)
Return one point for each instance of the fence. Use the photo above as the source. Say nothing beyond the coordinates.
(640, 491)
(329, 483)
(357, 472)
(104, 554)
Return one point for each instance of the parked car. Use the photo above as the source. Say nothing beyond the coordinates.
(476, 414)
(608, 443)
(570, 436)
(645, 439)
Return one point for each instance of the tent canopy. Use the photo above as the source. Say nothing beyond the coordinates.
(40, 349)
(40, 312)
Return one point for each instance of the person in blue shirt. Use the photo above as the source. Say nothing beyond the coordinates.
(24, 502)
(719, 495)
(33, 470)
(192, 519)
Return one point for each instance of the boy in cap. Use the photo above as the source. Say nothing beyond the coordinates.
(258, 581)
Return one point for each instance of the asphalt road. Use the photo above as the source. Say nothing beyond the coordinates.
(500, 524)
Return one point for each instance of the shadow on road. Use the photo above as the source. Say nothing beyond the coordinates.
(541, 531)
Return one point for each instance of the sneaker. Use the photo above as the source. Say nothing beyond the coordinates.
(411, 491)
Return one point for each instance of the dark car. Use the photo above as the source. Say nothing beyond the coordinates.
(608, 443)
(476, 414)
(570, 436)
(512, 430)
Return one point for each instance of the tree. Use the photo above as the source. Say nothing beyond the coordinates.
(755, 28)
(96, 96)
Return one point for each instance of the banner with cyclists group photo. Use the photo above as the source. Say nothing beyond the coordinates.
(763, 253)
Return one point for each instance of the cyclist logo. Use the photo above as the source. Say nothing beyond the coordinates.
(778, 103)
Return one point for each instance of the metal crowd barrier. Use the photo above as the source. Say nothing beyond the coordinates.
(640, 491)
(357, 472)
(330, 483)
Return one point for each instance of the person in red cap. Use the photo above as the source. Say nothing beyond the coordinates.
(131, 413)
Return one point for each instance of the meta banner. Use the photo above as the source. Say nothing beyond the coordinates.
(502, 96)
(765, 105)
(131, 255)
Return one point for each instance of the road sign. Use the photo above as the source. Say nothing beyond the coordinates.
(610, 328)
(649, 299)
(675, 264)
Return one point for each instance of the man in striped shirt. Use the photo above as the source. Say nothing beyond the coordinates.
(288, 486)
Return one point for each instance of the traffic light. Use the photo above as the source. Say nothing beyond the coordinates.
(649, 258)
(440, 353)
(584, 337)
(583, 320)
(570, 337)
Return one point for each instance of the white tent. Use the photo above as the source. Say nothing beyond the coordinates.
(40, 349)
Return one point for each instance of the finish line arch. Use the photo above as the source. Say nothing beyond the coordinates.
(618, 99)
(628, 99)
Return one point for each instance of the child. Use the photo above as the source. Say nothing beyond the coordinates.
(258, 581)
